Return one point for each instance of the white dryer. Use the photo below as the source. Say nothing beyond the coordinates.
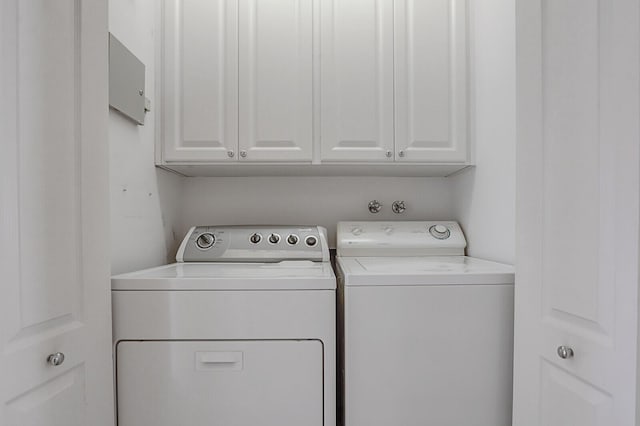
(426, 332)
(241, 331)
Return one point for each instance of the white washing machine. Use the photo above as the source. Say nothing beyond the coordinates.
(241, 331)
(427, 333)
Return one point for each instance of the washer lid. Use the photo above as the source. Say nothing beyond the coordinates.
(428, 270)
(286, 275)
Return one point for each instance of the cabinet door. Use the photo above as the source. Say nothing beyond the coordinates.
(357, 80)
(431, 81)
(276, 85)
(200, 75)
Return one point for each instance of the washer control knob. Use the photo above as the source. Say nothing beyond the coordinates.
(311, 241)
(293, 239)
(274, 238)
(440, 232)
(255, 238)
(205, 241)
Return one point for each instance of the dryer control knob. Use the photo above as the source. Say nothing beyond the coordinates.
(274, 238)
(205, 241)
(440, 232)
(293, 239)
(255, 238)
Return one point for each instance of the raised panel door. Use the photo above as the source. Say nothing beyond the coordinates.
(431, 81)
(276, 80)
(200, 80)
(356, 81)
(54, 214)
(577, 236)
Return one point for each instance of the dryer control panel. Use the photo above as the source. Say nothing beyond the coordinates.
(435, 238)
(254, 244)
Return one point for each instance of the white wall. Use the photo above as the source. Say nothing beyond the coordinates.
(310, 200)
(484, 196)
(146, 228)
(145, 201)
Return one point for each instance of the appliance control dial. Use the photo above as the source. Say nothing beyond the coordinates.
(205, 241)
(311, 241)
(255, 238)
(293, 239)
(274, 238)
(440, 232)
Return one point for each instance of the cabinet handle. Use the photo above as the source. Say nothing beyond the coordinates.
(389, 154)
(231, 154)
(55, 359)
(243, 154)
(565, 352)
(401, 154)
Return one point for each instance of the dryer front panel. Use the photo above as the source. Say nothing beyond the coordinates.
(204, 383)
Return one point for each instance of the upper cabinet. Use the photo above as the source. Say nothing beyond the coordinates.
(276, 80)
(430, 80)
(200, 80)
(317, 83)
(356, 80)
(237, 81)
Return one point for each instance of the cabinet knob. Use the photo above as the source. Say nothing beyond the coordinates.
(243, 154)
(389, 154)
(55, 359)
(401, 154)
(565, 352)
(231, 154)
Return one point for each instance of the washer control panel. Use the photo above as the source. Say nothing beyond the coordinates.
(386, 239)
(254, 244)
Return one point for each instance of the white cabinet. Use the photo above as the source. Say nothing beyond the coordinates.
(276, 84)
(430, 81)
(393, 81)
(200, 80)
(237, 81)
(357, 84)
(356, 80)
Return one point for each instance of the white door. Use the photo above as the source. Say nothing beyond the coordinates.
(577, 212)
(431, 81)
(200, 80)
(276, 80)
(54, 250)
(356, 80)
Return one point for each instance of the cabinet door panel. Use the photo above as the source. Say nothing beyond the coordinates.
(357, 80)
(200, 80)
(430, 81)
(276, 83)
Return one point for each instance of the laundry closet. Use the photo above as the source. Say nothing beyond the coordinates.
(327, 133)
